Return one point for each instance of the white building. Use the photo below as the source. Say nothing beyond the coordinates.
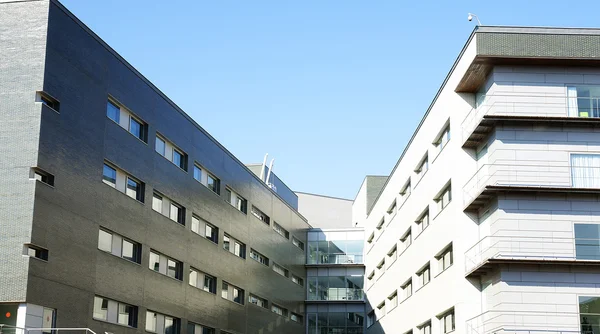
(490, 220)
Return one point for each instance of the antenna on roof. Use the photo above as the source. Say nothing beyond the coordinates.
(471, 16)
(267, 181)
(262, 170)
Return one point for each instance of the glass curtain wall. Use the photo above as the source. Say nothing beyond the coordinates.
(335, 247)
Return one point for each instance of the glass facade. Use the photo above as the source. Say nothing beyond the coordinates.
(335, 322)
(335, 247)
(589, 314)
(335, 288)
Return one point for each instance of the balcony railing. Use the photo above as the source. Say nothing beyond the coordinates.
(5, 329)
(526, 322)
(532, 174)
(513, 247)
(336, 258)
(530, 105)
(338, 294)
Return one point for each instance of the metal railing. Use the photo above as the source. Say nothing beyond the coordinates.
(530, 105)
(337, 294)
(530, 174)
(529, 322)
(6, 329)
(530, 248)
(336, 258)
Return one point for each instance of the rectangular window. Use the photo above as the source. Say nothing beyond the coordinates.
(370, 319)
(279, 310)
(393, 300)
(280, 230)
(134, 189)
(406, 239)
(113, 112)
(199, 329)
(380, 224)
(381, 310)
(381, 266)
(424, 276)
(371, 237)
(168, 208)
(178, 159)
(444, 198)
(237, 201)
(423, 221)
(405, 192)
(392, 253)
(392, 210)
(205, 229)
(232, 293)
(442, 139)
(109, 175)
(213, 183)
(177, 213)
(160, 146)
(297, 280)
(583, 101)
(422, 167)
(234, 246)
(36, 252)
(296, 317)
(119, 246)
(171, 152)
(166, 265)
(198, 173)
(136, 128)
(115, 312)
(260, 215)
(425, 328)
(445, 259)
(298, 243)
(585, 169)
(253, 299)
(447, 322)
(38, 174)
(259, 257)
(280, 270)
(203, 281)
(154, 321)
(407, 289)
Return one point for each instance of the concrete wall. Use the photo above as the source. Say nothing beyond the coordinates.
(324, 211)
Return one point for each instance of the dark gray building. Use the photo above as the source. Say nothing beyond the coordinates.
(118, 212)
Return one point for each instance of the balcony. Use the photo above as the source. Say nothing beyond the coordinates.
(525, 176)
(336, 294)
(497, 249)
(529, 322)
(526, 109)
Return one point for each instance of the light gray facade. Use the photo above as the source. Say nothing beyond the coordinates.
(324, 211)
(48, 53)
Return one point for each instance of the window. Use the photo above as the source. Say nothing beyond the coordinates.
(213, 183)
(589, 313)
(253, 299)
(406, 239)
(279, 310)
(119, 246)
(259, 257)
(380, 224)
(205, 229)
(424, 276)
(123, 182)
(47, 100)
(280, 270)
(422, 167)
(35, 251)
(207, 179)
(156, 321)
(405, 192)
(423, 221)
(297, 280)
(236, 200)
(280, 230)
(583, 101)
(203, 281)
(232, 293)
(444, 198)
(447, 322)
(171, 152)
(425, 328)
(260, 215)
(166, 265)
(298, 243)
(407, 289)
(296, 317)
(392, 254)
(587, 241)
(381, 266)
(127, 120)
(393, 299)
(109, 175)
(381, 310)
(370, 319)
(371, 237)
(371, 275)
(442, 139)
(584, 170)
(234, 246)
(445, 259)
(199, 329)
(42, 176)
(392, 210)
(168, 208)
(115, 312)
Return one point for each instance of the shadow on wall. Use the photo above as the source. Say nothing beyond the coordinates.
(376, 328)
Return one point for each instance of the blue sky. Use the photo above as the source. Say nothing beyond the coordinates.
(333, 90)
